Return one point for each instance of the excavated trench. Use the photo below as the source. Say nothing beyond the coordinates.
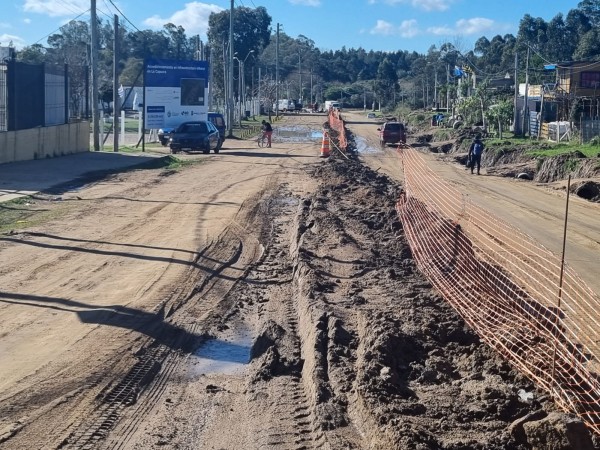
(382, 360)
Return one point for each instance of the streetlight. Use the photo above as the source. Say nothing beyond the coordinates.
(242, 82)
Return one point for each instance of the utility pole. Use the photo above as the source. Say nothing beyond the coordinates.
(94, 64)
(448, 89)
(210, 57)
(230, 97)
(312, 101)
(300, 74)
(435, 85)
(277, 72)
(116, 99)
(515, 112)
(525, 109)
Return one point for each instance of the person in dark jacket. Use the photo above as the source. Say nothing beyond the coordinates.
(267, 130)
(475, 152)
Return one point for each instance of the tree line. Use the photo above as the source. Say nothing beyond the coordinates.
(355, 76)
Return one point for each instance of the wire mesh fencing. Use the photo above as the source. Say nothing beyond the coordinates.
(513, 292)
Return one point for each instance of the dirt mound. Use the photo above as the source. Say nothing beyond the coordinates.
(387, 354)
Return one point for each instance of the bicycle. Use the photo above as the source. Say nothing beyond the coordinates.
(262, 140)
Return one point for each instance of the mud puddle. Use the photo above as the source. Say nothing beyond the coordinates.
(227, 356)
(362, 146)
(299, 133)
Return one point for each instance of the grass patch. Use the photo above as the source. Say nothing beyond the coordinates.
(443, 134)
(25, 212)
(590, 151)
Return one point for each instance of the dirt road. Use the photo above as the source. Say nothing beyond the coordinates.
(536, 209)
(252, 299)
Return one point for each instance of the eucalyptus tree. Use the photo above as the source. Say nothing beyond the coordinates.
(559, 45)
(251, 34)
(588, 47)
(71, 46)
(33, 54)
(179, 45)
(385, 83)
(591, 9)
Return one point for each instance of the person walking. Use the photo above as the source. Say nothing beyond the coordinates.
(475, 152)
(267, 131)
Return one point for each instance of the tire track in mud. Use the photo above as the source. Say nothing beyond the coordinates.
(224, 262)
(288, 422)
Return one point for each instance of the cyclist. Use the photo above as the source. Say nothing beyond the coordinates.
(267, 130)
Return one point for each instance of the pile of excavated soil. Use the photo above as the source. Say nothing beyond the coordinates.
(383, 360)
(508, 160)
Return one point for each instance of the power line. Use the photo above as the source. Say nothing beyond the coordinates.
(124, 16)
(543, 58)
(58, 29)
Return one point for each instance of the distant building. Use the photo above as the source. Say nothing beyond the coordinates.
(137, 96)
(578, 79)
(6, 53)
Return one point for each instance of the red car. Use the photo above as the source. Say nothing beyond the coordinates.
(392, 133)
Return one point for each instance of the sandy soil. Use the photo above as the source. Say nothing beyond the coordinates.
(259, 298)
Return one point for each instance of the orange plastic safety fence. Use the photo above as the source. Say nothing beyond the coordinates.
(337, 123)
(507, 287)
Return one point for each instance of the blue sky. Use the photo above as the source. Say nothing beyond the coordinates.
(386, 25)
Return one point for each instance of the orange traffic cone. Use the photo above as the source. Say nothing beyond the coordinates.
(325, 145)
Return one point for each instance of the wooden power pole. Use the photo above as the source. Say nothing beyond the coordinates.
(94, 71)
(116, 99)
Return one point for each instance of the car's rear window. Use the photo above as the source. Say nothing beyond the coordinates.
(194, 128)
(394, 127)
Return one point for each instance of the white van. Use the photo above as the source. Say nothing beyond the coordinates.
(284, 105)
(332, 104)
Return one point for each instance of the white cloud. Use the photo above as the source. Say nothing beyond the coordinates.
(441, 31)
(383, 27)
(193, 18)
(306, 2)
(5, 25)
(432, 5)
(476, 25)
(27, 21)
(425, 5)
(56, 8)
(17, 42)
(406, 29)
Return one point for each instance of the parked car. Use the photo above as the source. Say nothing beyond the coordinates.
(217, 119)
(164, 134)
(195, 136)
(392, 133)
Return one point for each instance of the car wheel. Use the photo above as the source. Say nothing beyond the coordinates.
(219, 146)
(382, 143)
(173, 151)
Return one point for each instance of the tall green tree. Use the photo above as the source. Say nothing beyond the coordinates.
(588, 46)
(386, 81)
(591, 9)
(251, 34)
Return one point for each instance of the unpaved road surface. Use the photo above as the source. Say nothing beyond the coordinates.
(259, 298)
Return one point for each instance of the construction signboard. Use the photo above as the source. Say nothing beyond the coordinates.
(175, 92)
